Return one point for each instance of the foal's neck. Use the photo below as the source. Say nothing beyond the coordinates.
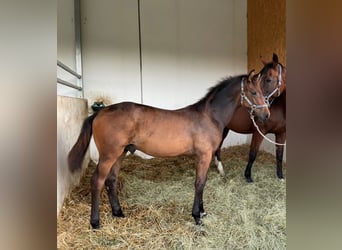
(224, 103)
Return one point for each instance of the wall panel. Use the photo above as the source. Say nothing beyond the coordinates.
(110, 48)
(266, 24)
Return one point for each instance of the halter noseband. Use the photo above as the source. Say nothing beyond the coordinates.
(251, 104)
(267, 98)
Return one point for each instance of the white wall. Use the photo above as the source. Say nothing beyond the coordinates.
(66, 46)
(187, 47)
(110, 48)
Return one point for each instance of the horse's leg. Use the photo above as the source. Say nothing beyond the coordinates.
(201, 177)
(253, 151)
(280, 138)
(97, 182)
(111, 187)
(218, 161)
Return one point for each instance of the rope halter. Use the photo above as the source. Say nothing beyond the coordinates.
(267, 98)
(250, 103)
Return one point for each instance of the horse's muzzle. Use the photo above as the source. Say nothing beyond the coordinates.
(262, 115)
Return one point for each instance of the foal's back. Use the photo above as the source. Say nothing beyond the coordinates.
(155, 131)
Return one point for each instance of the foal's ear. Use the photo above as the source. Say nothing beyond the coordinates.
(275, 58)
(258, 76)
(250, 75)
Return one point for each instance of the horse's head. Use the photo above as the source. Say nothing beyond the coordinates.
(252, 97)
(273, 79)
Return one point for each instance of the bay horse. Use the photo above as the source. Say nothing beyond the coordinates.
(193, 130)
(273, 85)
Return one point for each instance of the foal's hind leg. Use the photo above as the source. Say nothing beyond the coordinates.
(111, 186)
(280, 138)
(218, 161)
(253, 151)
(201, 177)
(97, 182)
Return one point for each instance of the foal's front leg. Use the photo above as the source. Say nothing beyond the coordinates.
(201, 177)
(218, 161)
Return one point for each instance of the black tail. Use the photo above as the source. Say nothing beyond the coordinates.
(76, 154)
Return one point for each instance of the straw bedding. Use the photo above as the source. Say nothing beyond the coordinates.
(156, 197)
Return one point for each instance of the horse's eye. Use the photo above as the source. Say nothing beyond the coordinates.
(253, 93)
(268, 80)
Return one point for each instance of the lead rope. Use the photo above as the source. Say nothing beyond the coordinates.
(256, 126)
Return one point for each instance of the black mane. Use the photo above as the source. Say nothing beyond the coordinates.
(224, 84)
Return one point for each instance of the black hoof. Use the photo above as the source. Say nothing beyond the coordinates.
(118, 214)
(249, 180)
(95, 224)
(197, 219)
(199, 222)
(280, 176)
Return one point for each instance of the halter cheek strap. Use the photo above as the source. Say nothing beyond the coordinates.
(250, 103)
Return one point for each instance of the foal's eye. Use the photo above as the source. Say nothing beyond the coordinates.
(253, 93)
(268, 80)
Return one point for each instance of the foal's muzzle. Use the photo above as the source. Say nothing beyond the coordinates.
(263, 114)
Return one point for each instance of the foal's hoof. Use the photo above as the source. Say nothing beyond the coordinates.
(95, 224)
(118, 214)
(249, 179)
(280, 176)
(199, 222)
(282, 179)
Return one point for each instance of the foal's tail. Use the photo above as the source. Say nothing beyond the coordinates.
(76, 154)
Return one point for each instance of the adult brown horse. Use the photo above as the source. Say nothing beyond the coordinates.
(273, 85)
(193, 130)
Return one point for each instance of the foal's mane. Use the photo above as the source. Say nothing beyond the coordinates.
(224, 85)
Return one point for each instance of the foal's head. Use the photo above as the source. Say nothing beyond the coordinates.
(252, 97)
(273, 79)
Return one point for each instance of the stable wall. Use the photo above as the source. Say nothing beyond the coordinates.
(266, 24)
(70, 115)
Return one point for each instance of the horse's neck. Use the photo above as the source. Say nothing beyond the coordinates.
(282, 97)
(224, 104)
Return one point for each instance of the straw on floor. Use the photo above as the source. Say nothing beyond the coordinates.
(156, 196)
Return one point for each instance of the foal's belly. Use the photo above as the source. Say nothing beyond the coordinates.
(165, 146)
(164, 142)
